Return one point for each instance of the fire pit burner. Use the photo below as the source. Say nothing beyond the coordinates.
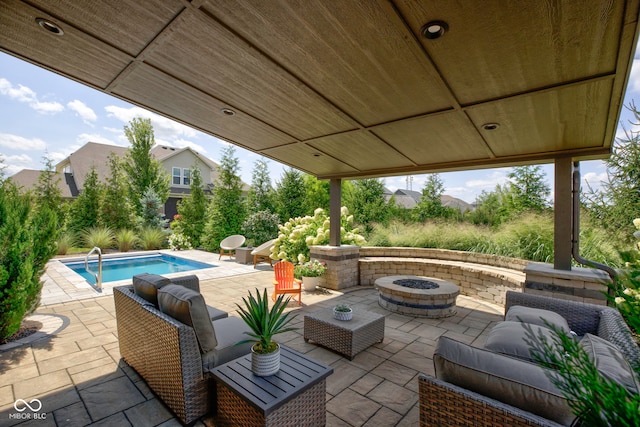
(417, 295)
(416, 284)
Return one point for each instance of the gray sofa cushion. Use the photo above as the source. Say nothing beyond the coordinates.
(536, 316)
(509, 338)
(513, 381)
(187, 306)
(610, 362)
(146, 286)
(215, 314)
(229, 332)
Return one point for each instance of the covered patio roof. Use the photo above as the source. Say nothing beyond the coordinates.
(347, 89)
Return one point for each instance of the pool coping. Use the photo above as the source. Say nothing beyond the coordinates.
(61, 284)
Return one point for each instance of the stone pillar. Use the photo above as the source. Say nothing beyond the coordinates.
(578, 284)
(342, 265)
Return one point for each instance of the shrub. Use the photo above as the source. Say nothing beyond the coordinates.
(178, 241)
(126, 240)
(261, 227)
(152, 238)
(102, 237)
(297, 234)
(66, 240)
(27, 241)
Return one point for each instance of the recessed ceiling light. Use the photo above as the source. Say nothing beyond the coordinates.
(434, 29)
(51, 27)
(490, 126)
(228, 112)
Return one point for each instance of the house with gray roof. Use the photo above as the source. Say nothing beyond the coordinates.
(177, 163)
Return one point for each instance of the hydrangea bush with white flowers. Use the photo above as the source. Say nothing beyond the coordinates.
(297, 234)
(178, 241)
(627, 288)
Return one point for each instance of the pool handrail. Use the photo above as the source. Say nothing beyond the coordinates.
(86, 266)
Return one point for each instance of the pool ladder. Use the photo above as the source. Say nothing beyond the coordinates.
(86, 266)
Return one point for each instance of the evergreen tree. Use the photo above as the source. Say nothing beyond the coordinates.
(85, 209)
(261, 194)
(117, 210)
(151, 206)
(617, 202)
(193, 209)
(142, 169)
(528, 190)
(430, 205)
(290, 195)
(367, 204)
(47, 189)
(226, 210)
(317, 194)
(28, 233)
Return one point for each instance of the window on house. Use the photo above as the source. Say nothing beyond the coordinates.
(176, 175)
(186, 176)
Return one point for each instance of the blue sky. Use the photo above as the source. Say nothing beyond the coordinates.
(44, 113)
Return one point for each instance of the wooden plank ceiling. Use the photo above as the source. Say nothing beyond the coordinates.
(351, 88)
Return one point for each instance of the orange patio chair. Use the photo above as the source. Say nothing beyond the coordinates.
(284, 281)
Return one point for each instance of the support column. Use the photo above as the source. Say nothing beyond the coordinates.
(563, 214)
(335, 202)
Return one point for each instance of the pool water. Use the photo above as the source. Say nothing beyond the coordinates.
(114, 269)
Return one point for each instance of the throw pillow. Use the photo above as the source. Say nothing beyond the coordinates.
(536, 316)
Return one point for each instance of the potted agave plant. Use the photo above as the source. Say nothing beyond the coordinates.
(264, 324)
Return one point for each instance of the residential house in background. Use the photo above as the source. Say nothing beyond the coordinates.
(408, 199)
(177, 163)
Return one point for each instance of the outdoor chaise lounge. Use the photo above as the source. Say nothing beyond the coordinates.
(167, 335)
(263, 253)
(495, 386)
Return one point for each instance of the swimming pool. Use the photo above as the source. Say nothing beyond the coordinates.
(114, 269)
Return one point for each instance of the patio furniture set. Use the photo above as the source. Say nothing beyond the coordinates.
(196, 369)
(186, 353)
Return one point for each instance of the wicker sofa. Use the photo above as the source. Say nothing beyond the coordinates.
(444, 400)
(166, 352)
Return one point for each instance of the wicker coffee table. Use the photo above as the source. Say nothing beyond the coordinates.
(294, 396)
(346, 337)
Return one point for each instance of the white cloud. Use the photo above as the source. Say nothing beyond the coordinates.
(164, 129)
(16, 163)
(17, 142)
(24, 94)
(490, 181)
(593, 180)
(47, 107)
(86, 113)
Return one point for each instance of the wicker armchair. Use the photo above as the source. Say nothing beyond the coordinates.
(443, 403)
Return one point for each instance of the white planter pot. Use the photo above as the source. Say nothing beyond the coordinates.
(263, 365)
(342, 315)
(309, 283)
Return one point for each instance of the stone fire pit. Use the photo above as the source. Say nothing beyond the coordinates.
(417, 296)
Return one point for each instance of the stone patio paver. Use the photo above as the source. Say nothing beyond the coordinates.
(76, 371)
